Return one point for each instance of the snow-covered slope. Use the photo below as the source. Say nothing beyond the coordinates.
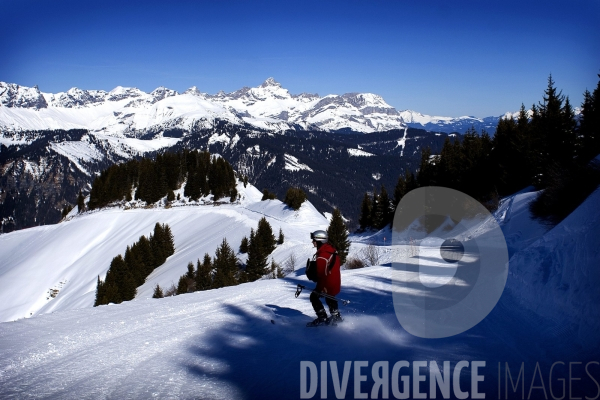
(249, 341)
(69, 256)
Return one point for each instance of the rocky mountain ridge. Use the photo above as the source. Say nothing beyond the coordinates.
(130, 112)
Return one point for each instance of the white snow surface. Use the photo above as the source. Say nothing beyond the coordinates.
(359, 153)
(248, 341)
(292, 164)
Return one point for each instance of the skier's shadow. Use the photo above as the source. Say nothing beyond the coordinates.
(284, 311)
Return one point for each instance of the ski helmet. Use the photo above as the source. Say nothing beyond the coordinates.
(319, 236)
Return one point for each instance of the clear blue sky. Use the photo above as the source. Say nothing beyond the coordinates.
(447, 58)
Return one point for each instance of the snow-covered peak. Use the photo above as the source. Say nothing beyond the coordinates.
(77, 98)
(369, 103)
(162, 92)
(270, 82)
(13, 95)
(120, 93)
(193, 91)
(270, 88)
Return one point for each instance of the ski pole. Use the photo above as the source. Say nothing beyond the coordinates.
(300, 287)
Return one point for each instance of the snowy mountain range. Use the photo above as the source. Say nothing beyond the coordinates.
(249, 341)
(130, 112)
(53, 145)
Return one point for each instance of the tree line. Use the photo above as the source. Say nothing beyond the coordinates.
(127, 273)
(225, 269)
(151, 180)
(546, 147)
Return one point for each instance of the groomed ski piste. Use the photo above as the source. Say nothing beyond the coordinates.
(250, 341)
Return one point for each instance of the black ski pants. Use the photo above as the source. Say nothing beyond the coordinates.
(318, 305)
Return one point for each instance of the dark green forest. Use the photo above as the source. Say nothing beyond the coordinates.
(152, 180)
(547, 148)
(127, 273)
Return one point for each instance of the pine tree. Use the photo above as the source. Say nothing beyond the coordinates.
(260, 245)
(244, 245)
(158, 292)
(225, 265)
(588, 144)
(264, 236)
(376, 211)
(169, 244)
(426, 172)
(387, 212)
(80, 202)
(338, 235)
(281, 237)
(399, 190)
(511, 154)
(100, 292)
(294, 197)
(268, 195)
(366, 210)
(170, 196)
(554, 144)
(257, 265)
(182, 286)
(190, 271)
(204, 273)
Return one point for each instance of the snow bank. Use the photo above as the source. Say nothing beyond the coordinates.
(558, 276)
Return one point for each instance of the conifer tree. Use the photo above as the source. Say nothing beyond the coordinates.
(261, 244)
(244, 245)
(268, 195)
(281, 237)
(399, 190)
(80, 202)
(554, 143)
(170, 196)
(264, 236)
(233, 194)
(366, 210)
(204, 273)
(588, 144)
(256, 266)
(338, 235)
(511, 154)
(294, 197)
(149, 262)
(225, 265)
(376, 211)
(182, 285)
(426, 172)
(190, 274)
(158, 292)
(100, 292)
(387, 212)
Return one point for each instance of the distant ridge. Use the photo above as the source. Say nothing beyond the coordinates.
(130, 112)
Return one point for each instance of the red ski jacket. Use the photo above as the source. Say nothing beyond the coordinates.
(328, 276)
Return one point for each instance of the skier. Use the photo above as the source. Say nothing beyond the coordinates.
(328, 280)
